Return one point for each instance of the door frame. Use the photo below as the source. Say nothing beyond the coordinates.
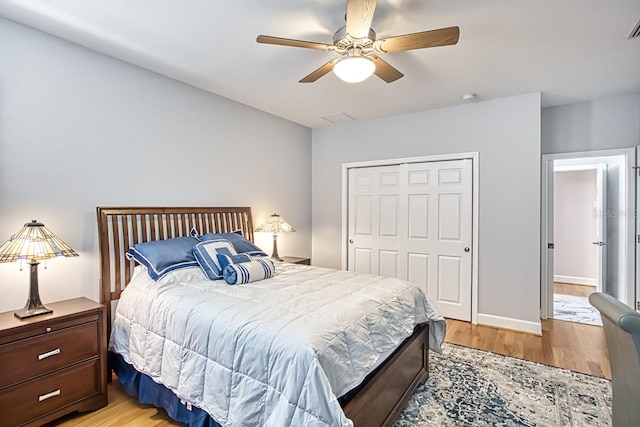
(636, 174)
(475, 187)
(546, 255)
(602, 226)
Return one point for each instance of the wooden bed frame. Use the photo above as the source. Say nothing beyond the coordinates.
(375, 403)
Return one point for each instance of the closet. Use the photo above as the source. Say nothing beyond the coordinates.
(413, 221)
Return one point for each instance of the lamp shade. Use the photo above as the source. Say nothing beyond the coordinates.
(34, 242)
(354, 69)
(275, 224)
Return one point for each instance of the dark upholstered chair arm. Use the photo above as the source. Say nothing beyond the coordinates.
(618, 313)
(622, 331)
(630, 322)
(611, 307)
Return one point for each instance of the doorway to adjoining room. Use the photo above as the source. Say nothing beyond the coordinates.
(587, 233)
(577, 239)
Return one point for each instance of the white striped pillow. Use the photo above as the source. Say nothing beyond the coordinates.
(247, 272)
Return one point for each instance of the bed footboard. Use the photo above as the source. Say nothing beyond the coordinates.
(385, 394)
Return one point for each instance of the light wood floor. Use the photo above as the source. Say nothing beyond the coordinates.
(123, 410)
(574, 346)
(573, 289)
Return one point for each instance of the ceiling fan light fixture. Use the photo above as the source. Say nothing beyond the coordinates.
(358, 45)
(354, 69)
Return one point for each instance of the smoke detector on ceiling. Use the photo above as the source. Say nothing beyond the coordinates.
(468, 97)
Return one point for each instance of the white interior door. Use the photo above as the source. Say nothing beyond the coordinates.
(373, 220)
(637, 233)
(438, 199)
(414, 222)
(601, 232)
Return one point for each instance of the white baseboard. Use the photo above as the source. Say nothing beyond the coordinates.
(575, 280)
(509, 323)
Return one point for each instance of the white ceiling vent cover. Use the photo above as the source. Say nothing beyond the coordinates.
(635, 32)
(339, 118)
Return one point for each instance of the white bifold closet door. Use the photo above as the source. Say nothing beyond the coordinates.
(413, 221)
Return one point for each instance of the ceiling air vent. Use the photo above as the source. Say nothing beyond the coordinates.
(339, 118)
(635, 33)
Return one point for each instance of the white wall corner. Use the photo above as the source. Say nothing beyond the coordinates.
(510, 323)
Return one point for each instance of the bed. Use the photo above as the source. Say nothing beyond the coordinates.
(366, 399)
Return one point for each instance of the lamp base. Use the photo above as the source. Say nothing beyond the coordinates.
(34, 306)
(274, 255)
(32, 311)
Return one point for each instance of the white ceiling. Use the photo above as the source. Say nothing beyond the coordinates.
(570, 50)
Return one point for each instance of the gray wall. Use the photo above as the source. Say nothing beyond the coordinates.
(596, 125)
(506, 133)
(79, 129)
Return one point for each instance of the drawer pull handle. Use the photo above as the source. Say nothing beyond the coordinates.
(48, 395)
(49, 354)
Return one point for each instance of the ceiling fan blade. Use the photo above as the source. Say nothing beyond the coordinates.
(385, 71)
(326, 68)
(291, 42)
(359, 17)
(433, 38)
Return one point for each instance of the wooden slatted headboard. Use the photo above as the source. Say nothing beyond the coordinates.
(121, 227)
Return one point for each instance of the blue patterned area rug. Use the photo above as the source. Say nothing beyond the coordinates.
(468, 387)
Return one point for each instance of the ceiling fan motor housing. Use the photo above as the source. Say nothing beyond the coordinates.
(343, 42)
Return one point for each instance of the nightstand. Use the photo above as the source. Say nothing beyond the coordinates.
(53, 364)
(296, 260)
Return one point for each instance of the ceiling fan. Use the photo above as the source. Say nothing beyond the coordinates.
(356, 43)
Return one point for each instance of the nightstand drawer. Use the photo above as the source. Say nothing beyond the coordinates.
(41, 354)
(40, 396)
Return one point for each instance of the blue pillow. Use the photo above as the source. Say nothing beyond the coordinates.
(241, 244)
(246, 272)
(163, 256)
(206, 256)
(225, 260)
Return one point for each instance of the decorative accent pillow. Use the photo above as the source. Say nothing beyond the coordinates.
(206, 255)
(225, 260)
(241, 244)
(163, 256)
(246, 272)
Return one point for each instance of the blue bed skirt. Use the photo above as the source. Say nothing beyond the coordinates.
(151, 393)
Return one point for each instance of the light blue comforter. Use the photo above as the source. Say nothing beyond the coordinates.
(271, 353)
